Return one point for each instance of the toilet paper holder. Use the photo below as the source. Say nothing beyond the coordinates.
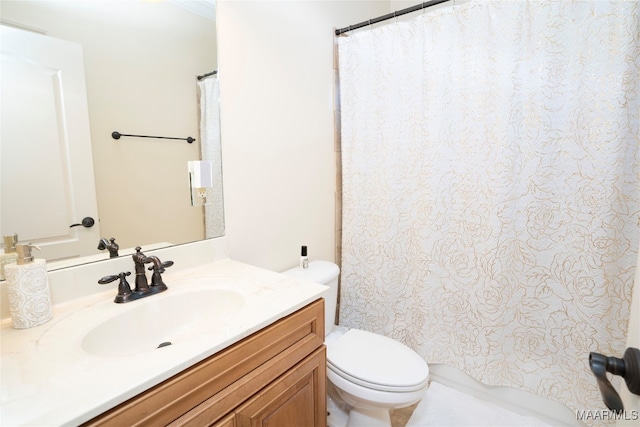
(628, 368)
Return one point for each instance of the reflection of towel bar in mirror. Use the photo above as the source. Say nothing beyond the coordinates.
(213, 73)
(117, 135)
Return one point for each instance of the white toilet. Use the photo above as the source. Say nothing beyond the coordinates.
(368, 374)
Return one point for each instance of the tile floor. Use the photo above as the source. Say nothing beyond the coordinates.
(400, 417)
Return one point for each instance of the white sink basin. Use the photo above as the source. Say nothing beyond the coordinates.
(163, 320)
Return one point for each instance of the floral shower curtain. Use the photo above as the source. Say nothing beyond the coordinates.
(490, 162)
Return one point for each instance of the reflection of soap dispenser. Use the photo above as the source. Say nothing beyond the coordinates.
(28, 289)
(9, 255)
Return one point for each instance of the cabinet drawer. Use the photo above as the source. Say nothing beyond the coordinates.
(258, 357)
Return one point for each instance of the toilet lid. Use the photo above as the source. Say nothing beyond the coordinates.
(376, 362)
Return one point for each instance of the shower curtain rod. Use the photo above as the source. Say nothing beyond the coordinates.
(391, 15)
(213, 73)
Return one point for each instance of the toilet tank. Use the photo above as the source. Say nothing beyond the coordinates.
(325, 273)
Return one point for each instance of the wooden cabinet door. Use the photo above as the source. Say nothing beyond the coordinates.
(297, 398)
(229, 421)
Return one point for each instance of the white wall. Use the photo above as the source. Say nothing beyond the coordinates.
(279, 166)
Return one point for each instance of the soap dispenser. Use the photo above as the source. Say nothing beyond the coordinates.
(28, 289)
(9, 255)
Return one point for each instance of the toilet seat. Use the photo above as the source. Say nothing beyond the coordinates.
(376, 362)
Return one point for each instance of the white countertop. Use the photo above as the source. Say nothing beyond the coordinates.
(47, 379)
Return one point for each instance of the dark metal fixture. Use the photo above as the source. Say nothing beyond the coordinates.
(213, 73)
(110, 245)
(117, 135)
(142, 285)
(142, 288)
(628, 368)
(391, 15)
(87, 222)
(124, 290)
(157, 268)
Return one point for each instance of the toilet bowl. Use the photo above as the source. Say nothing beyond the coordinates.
(368, 374)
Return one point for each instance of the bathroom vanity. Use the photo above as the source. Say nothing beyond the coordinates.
(277, 374)
(227, 344)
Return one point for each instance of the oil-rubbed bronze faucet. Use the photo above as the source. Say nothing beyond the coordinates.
(110, 245)
(142, 288)
(142, 285)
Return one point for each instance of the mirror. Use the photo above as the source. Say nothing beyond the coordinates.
(141, 60)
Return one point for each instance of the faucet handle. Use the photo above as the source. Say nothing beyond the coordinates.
(156, 277)
(124, 289)
(163, 265)
(108, 279)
